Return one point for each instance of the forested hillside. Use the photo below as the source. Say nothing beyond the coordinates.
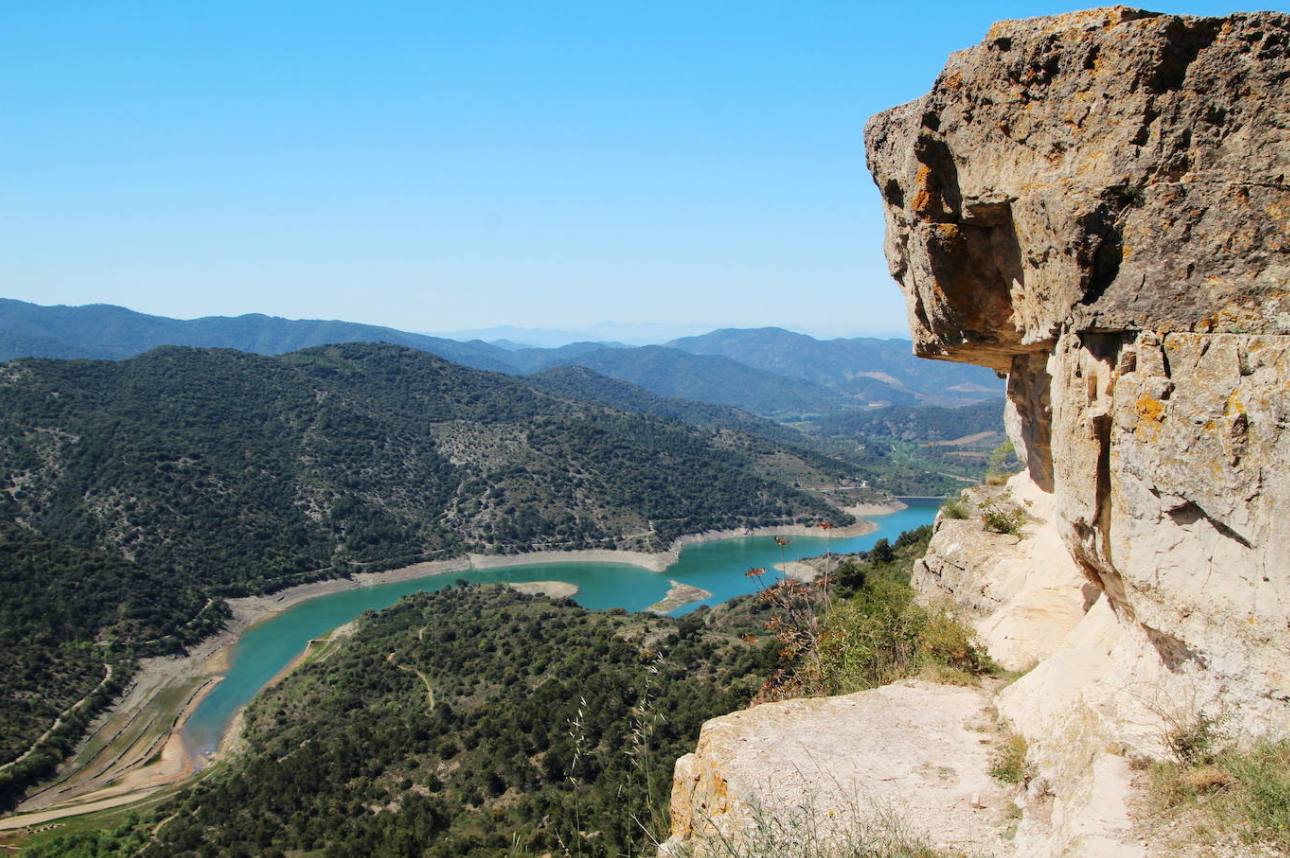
(113, 333)
(879, 369)
(920, 423)
(717, 380)
(469, 721)
(579, 382)
(136, 494)
(770, 372)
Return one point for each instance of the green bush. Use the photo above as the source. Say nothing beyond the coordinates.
(1002, 520)
(1195, 742)
(956, 508)
(1008, 762)
(882, 635)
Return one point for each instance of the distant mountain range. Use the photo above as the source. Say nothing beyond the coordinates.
(863, 367)
(617, 333)
(770, 372)
(104, 331)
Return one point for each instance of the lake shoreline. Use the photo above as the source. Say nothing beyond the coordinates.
(249, 611)
(208, 661)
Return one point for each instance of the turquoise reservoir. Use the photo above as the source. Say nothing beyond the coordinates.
(717, 567)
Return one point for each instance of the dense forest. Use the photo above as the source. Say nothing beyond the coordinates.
(912, 450)
(899, 450)
(579, 382)
(473, 721)
(137, 494)
(921, 423)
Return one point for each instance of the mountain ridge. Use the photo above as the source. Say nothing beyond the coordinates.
(722, 367)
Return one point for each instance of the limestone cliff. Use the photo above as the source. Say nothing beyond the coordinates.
(1097, 205)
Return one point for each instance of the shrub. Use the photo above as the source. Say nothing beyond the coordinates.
(956, 508)
(998, 519)
(1196, 741)
(1008, 763)
(883, 635)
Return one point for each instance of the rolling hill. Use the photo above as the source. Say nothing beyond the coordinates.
(713, 379)
(863, 367)
(138, 493)
(769, 372)
(103, 331)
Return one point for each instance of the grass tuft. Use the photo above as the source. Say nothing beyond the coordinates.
(1242, 791)
(853, 830)
(956, 508)
(1008, 764)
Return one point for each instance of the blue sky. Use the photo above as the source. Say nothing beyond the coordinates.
(444, 165)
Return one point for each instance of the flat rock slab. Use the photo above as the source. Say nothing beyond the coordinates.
(914, 753)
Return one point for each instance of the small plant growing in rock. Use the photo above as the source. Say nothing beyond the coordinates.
(1196, 741)
(999, 519)
(1008, 764)
(956, 508)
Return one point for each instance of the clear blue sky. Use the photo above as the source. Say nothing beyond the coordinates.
(440, 165)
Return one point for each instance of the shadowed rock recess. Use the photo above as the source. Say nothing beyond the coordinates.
(1096, 205)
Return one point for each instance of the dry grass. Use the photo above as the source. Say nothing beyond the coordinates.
(854, 830)
(1008, 763)
(1237, 790)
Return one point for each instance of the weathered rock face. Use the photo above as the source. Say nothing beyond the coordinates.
(1022, 593)
(811, 771)
(1098, 205)
(1111, 170)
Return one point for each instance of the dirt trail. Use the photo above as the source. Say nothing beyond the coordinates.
(393, 658)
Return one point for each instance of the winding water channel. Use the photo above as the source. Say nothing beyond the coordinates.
(718, 567)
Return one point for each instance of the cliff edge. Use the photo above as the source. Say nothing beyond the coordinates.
(1096, 205)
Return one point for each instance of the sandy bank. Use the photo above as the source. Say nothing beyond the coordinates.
(887, 508)
(249, 610)
(553, 589)
(678, 596)
(799, 570)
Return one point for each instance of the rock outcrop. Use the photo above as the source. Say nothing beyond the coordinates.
(1023, 593)
(825, 767)
(1097, 205)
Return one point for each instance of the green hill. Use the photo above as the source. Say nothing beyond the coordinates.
(103, 331)
(550, 725)
(712, 379)
(769, 372)
(579, 382)
(198, 474)
(865, 367)
(919, 423)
